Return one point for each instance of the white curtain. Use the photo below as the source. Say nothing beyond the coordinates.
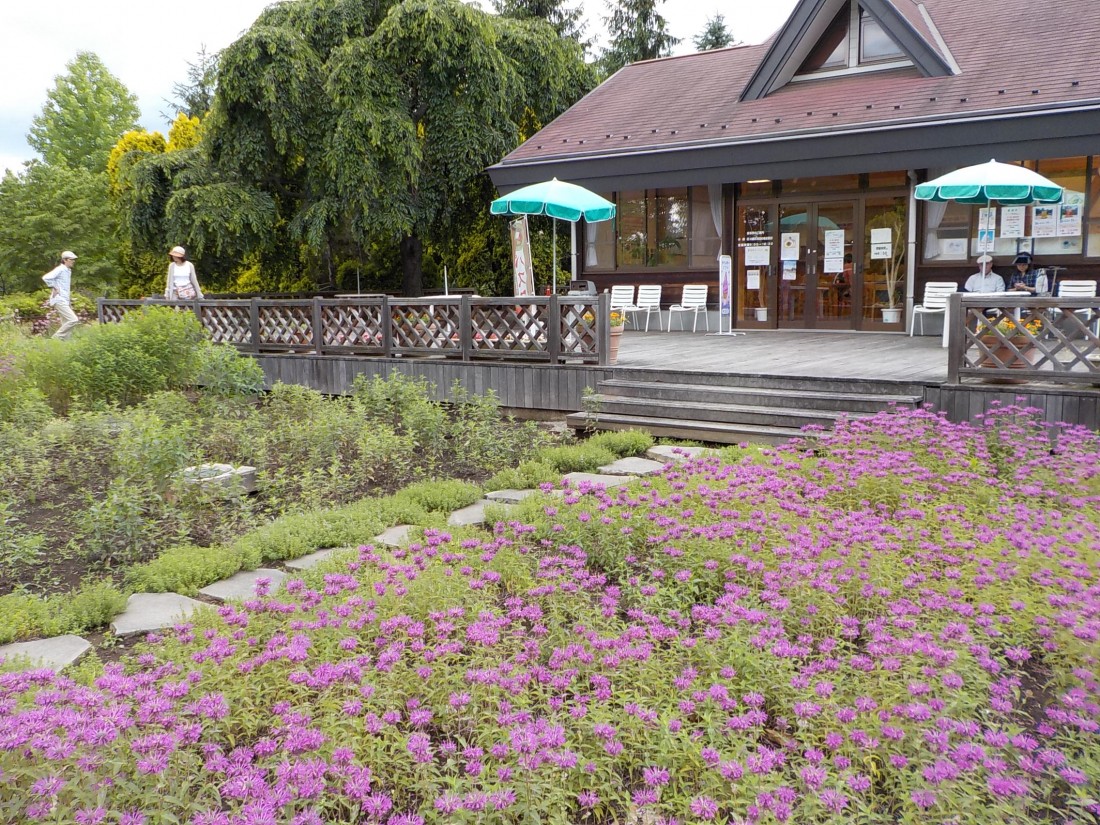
(715, 192)
(591, 255)
(933, 216)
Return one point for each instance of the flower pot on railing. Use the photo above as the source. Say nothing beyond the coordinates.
(1018, 356)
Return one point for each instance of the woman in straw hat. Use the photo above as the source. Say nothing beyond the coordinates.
(183, 283)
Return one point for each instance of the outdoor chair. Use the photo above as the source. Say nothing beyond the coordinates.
(693, 300)
(622, 298)
(649, 301)
(934, 302)
(1081, 289)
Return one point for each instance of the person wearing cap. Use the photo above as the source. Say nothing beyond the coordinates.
(59, 280)
(183, 283)
(985, 279)
(1025, 279)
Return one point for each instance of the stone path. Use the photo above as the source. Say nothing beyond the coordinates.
(148, 612)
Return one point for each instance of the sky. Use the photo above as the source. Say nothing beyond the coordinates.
(148, 46)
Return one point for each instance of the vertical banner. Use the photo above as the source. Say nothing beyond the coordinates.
(523, 278)
(725, 285)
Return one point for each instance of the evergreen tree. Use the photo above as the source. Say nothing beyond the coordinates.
(195, 97)
(85, 114)
(637, 31)
(567, 22)
(715, 35)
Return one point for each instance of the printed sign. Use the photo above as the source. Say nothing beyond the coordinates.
(790, 271)
(1012, 221)
(752, 279)
(834, 243)
(1044, 222)
(523, 277)
(1069, 220)
(725, 281)
(789, 246)
(834, 264)
(758, 255)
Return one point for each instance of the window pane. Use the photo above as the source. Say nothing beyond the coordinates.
(1068, 173)
(599, 245)
(874, 43)
(884, 278)
(831, 51)
(1094, 210)
(632, 229)
(671, 214)
(825, 183)
(706, 220)
(945, 231)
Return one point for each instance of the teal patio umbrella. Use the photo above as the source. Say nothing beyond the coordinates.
(558, 199)
(985, 182)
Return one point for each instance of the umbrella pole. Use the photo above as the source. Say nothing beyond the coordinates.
(555, 267)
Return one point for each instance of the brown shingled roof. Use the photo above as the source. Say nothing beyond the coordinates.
(1010, 58)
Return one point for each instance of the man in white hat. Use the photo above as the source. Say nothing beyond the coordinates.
(58, 280)
(985, 279)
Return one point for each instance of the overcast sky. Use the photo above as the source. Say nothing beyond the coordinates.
(148, 45)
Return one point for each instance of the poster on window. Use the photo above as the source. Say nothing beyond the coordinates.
(790, 270)
(789, 246)
(1069, 220)
(882, 243)
(752, 279)
(834, 263)
(1012, 221)
(758, 255)
(986, 240)
(1044, 222)
(523, 277)
(987, 218)
(834, 243)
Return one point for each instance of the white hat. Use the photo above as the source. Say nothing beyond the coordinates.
(985, 259)
(67, 254)
(178, 250)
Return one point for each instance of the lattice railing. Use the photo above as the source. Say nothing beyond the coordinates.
(548, 329)
(1008, 339)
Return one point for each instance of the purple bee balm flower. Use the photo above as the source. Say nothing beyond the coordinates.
(923, 799)
(588, 799)
(704, 807)
(655, 776)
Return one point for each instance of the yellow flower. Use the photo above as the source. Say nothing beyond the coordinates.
(617, 317)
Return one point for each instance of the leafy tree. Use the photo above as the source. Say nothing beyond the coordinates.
(637, 31)
(715, 35)
(85, 113)
(45, 209)
(196, 97)
(184, 133)
(136, 140)
(567, 22)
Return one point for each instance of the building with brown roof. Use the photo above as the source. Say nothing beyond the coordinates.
(798, 157)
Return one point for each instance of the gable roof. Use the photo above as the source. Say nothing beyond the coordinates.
(901, 20)
(681, 120)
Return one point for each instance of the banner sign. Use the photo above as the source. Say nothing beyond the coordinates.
(725, 284)
(523, 277)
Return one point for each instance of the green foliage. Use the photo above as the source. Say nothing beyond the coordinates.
(85, 113)
(224, 371)
(89, 607)
(568, 23)
(440, 495)
(403, 405)
(45, 208)
(134, 141)
(527, 476)
(637, 31)
(184, 133)
(715, 35)
(121, 526)
(186, 568)
(148, 351)
(623, 443)
(576, 458)
(195, 97)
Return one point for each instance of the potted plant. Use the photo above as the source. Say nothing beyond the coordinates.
(892, 267)
(617, 320)
(1010, 342)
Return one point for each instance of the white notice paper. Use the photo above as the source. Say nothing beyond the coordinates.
(834, 264)
(1012, 221)
(881, 251)
(758, 255)
(1069, 219)
(987, 218)
(884, 235)
(789, 246)
(1044, 222)
(834, 243)
(752, 279)
(790, 271)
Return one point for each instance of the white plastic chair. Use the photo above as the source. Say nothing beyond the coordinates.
(649, 301)
(693, 300)
(1081, 289)
(622, 297)
(934, 302)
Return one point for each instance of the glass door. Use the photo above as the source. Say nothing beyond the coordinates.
(835, 263)
(797, 248)
(755, 266)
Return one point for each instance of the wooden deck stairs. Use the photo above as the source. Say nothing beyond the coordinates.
(730, 408)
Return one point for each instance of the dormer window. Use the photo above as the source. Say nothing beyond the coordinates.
(853, 39)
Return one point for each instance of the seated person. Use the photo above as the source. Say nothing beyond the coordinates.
(985, 279)
(1027, 279)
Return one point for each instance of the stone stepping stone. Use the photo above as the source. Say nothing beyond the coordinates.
(55, 653)
(474, 514)
(576, 479)
(509, 496)
(633, 466)
(395, 537)
(314, 559)
(146, 612)
(243, 584)
(667, 453)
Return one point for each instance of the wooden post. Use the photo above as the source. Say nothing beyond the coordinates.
(603, 321)
(957, 322)
(553, 329)
(254, 325)
(318, 333)
(465, 328)
(387, 328)
(99, 309)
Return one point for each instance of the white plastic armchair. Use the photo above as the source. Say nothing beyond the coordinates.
(649, 301)
(934, 302)
(1081, 289)
(693, 300)
(622, 297)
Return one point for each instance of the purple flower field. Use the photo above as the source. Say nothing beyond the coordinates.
(901, 625)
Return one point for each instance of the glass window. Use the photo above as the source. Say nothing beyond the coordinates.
(1067, 216)
(599, 245)
(884, 277)
(1094, 210)
(874, 43)
(756, 189)
(632, 234)
(887, 180)
(706, 225)
(827, 183)
(669, 246)
(831, 51)
(945, 231)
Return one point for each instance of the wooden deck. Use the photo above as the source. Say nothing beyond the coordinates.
(876, 356)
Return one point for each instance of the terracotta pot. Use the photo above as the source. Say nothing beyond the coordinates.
(1006, 356)
(613, 350)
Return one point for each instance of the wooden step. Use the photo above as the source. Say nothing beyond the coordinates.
(768, 416)
(859, 386)
(707, 431)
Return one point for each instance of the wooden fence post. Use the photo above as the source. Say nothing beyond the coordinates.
(603, 328)
(318, 333)
(957, 323)
(387, 328)
(465, 328)
(553, 329)
(254, 325)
